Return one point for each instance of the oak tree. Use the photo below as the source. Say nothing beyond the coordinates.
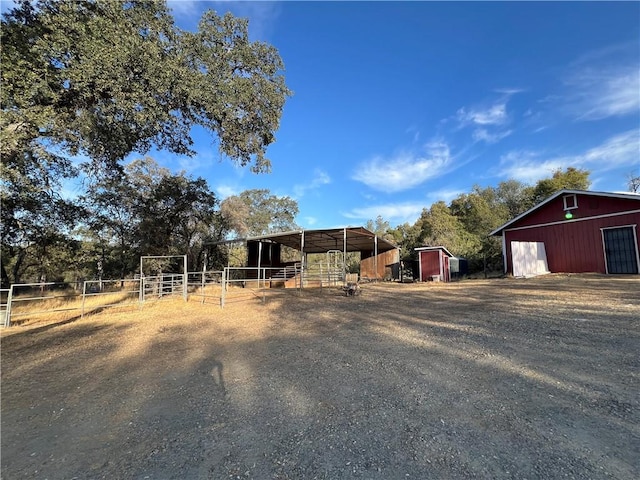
(258, 212)
(102, 79)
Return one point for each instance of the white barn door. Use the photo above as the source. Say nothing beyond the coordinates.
(528, 259)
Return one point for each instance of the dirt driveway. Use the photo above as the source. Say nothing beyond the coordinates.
(505, 378)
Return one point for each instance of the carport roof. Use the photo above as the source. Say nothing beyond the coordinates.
(358, 239)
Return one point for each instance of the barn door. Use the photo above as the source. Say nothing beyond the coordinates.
(620, 250)
(528, 259)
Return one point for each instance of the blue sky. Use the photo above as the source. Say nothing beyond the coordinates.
(397, 105)
(400, 104)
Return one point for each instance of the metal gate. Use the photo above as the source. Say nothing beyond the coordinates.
(620, 249)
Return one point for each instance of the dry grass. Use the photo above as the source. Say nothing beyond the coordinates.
(30, 310)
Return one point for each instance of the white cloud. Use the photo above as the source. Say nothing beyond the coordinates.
(510, 91)
(262, 15)
(310, 221)
(197, 162)
(493, 115)
(527, 166)
(617, 151)
(488, 123)
(320, 178)
(446, 195)
(186, 8)
(398, 213)
(392, 212)
(405, 170)
(603, 93)
(482, 134)
(604, 83)
(225, 191)
(414, 132)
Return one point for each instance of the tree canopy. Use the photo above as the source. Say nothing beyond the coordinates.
(107, 78)
(571, 178)
(257, 212)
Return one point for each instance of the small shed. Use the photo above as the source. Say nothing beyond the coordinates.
(574, 231)
(433, 264)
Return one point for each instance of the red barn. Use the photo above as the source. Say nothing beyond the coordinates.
(574, 231)
(433, 263)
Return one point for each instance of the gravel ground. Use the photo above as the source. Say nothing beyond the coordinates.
(489, 379)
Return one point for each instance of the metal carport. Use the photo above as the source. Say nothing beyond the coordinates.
(346, 239)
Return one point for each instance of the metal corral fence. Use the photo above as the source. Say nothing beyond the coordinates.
(28, 300)
(239, 283)
(322, 275)
(242, 282)
(66, 301)
(207, 286)
(4, 306)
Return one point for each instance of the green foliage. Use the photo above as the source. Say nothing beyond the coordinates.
(380, 227)
(150, 211)
(107, 78)
(571, 178)
(257, 212)
(236, 90)
(112, 225)
(440, 227)
(43, 260)
(515, 196)
(407, 237)
(33, 222)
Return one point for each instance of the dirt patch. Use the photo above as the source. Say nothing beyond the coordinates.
(535, 378)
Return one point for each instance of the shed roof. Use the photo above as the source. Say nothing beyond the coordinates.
(358, 239)
(624, 195)
(425, 249)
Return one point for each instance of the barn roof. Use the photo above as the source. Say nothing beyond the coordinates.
(358, 239)
(624, 195)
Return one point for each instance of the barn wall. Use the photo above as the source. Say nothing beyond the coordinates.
(387, 262)
(572, 246)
